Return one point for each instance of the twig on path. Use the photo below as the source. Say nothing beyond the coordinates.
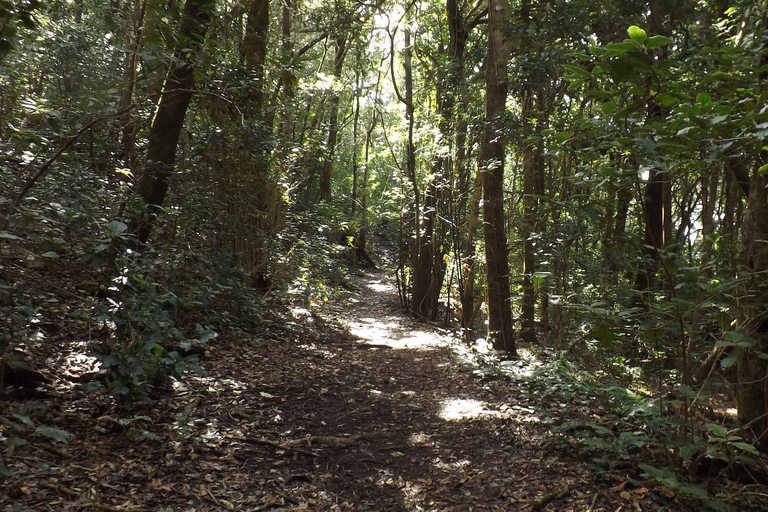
(555, 495)
(59, 489)
(268, 505)
(109, 508)
(261, 440)
(308, 441)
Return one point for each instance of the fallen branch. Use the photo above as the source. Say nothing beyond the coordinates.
(555, 495)
(261, 440)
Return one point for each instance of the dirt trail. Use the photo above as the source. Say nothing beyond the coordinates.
(433, 439)
(375, 412)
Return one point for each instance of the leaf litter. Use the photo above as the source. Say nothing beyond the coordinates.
(369, 408)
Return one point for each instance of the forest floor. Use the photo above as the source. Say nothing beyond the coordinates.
(376, 410)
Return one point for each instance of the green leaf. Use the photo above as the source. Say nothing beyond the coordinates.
(716, 119)
(609, 107)
(23, 418)
(195, 368)
(631, 108)
(637, 34)
(54, 433)
(666, 100)
(696, 491)
(657, 41)
(616, 49)
(15, 441)
(746, 447)
(150, 435)
(717, 430)
(729, 360)
(596, 51)
(117, 227)
(703, 98)
(621, 70)
(604, 333)
(8, 236)
(577, 72)
(50, 254)
(650, 470)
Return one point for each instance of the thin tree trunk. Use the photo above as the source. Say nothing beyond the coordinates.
(333, 123)
(134, 21)
(468, 306)
(500, 328)
(752, 369)
(528, 327)
(653, 215)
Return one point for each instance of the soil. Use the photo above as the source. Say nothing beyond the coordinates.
(359, 407)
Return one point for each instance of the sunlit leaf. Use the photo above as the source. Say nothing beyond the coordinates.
(609, 107)
(637, 34)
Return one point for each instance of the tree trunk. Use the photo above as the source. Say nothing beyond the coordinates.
(528, 311)
(752, 367)
(468, 306)
(169, 117)
(333, 123)
(653, 215)
(491, 161)
(133, 29)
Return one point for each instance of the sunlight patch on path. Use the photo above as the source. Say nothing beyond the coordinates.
(458, 409)
(375, 319)
(371, 330)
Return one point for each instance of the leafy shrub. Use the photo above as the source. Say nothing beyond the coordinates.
(618, 428)
(19, 426)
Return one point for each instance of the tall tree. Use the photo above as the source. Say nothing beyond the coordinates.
(752, 364)
(340, 45)
(169, 116)
(491, 161)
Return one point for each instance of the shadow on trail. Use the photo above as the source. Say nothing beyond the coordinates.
(361, 407)
(387, 418)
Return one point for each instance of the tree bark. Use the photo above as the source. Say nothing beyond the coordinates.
(133, 35)
(168, 121)
(491, 161)
(333, 123)
(752, 366)
(752, 369)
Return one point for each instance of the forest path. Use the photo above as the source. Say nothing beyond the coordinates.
(355, 406)
(399, 421)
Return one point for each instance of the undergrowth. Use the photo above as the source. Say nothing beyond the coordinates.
(623, 433)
